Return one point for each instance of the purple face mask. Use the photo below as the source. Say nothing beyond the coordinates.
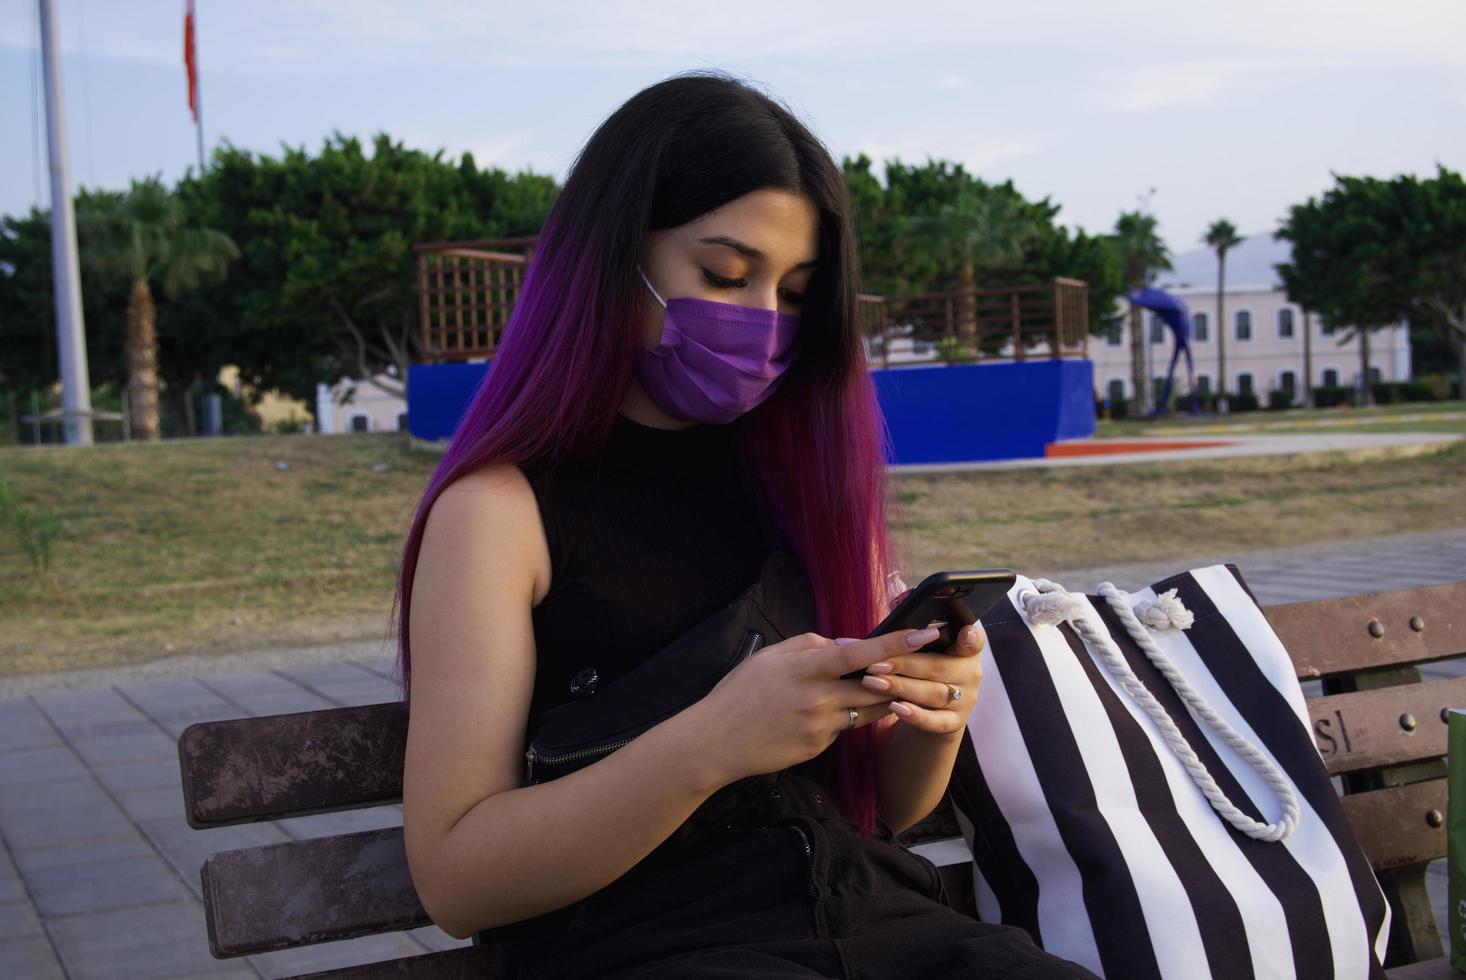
(715, 361)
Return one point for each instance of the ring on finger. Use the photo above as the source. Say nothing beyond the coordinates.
(954, 693)
(854, 714)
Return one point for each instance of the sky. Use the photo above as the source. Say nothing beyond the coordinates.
(1193, 111)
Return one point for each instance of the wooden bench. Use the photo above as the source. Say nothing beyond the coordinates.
(1379, 728)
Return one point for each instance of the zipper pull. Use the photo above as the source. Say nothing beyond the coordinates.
(529, 757)
(751, 644)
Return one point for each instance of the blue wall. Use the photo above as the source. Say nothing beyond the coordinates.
(969, 412)
(937, 414)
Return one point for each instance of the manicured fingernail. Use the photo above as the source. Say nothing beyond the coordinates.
(876, 683)
(901, 709)
(880, 668)
(842, 640)
(922, 637)
(970, 637)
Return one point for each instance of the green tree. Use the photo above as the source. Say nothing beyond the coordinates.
(894, 261)
(1358, 259)
(141, 237)
(1142, 254)
(327, 285)
(1221, 238)
(982, 233)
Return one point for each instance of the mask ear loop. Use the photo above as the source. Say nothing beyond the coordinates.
(652, 288)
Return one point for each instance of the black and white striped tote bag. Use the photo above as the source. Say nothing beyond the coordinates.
(1142, 793)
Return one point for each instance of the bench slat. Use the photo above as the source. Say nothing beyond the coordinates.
(1332, 636)
(1366, 729)
(282, 895)
(1393, 825)
(462, 963)
(1436, 969)
(248, 769)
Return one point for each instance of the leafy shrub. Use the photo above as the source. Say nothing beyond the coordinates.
(1280, 398)
(33, 529)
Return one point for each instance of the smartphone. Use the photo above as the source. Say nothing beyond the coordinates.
(948, 601)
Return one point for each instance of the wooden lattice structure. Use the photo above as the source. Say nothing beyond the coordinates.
(467, 291)
(1046, 320)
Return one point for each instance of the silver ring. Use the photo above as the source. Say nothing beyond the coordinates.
(954, 693)
(853, 716)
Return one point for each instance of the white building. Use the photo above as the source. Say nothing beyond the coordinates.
(358, 406)
(1265, 332)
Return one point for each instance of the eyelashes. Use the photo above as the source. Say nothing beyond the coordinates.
(722, 283)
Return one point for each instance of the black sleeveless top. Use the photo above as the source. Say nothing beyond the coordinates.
(647, 537)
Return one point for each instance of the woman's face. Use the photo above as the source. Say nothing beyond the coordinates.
(757, 250)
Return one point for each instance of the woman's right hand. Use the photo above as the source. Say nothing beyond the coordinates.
(786, 704)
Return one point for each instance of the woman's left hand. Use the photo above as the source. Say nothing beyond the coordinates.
(933, 692)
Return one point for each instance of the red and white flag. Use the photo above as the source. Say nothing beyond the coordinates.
(190, 59)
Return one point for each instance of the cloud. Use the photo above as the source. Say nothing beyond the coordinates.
(1183, 82)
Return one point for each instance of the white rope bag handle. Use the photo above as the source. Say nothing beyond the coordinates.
(1052, 604)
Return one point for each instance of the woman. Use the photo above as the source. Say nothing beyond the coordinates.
(680, 393)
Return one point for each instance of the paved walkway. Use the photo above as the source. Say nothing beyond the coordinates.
(99, 872)
(1234, 446)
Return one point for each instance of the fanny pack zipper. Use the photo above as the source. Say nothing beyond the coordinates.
(753, 640)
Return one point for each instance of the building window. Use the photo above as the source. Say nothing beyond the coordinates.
(1324, 328)
(1285, 323)
(1374, 376)
(401, 421)
(1113, 336)
(359, 423)
(1203, 384)
(1244, 383)
(1288, 381)
(1243, 321)
(1116, 391)
(1157, 330)
(1198, 327)
(1330, 378)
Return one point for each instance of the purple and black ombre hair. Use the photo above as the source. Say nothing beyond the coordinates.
(672, 153)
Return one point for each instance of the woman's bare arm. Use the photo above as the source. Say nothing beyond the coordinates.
(482, 850)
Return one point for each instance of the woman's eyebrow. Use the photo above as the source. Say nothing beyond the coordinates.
(749, 250)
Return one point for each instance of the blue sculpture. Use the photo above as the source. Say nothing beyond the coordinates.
(1174, 314)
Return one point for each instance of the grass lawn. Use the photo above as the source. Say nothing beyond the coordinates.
(207, 546)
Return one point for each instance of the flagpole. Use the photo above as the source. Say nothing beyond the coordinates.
(76, 394)
(198, 93)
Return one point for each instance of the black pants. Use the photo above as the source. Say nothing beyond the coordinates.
(784, 889)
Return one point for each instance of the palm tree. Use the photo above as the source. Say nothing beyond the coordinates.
(981, 232)
(1142, 255)
(139, 237)
(1221, 236)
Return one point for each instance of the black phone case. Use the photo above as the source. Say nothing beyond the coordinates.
(948, 600)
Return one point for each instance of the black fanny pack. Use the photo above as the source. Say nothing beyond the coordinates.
(777, 605)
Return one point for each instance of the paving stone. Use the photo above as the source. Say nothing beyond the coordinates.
(341, 822)
(132, 747)
(145, 941)
(25, 726)
(30, 957)
(91, 851)
(174, 700)
(186, 849)
(68, 810)
(18, 919)
(33, 766)
(333, 956)
(95, 887)
(94, 706)
(140, 774)
(266, 693)
(153, 804)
